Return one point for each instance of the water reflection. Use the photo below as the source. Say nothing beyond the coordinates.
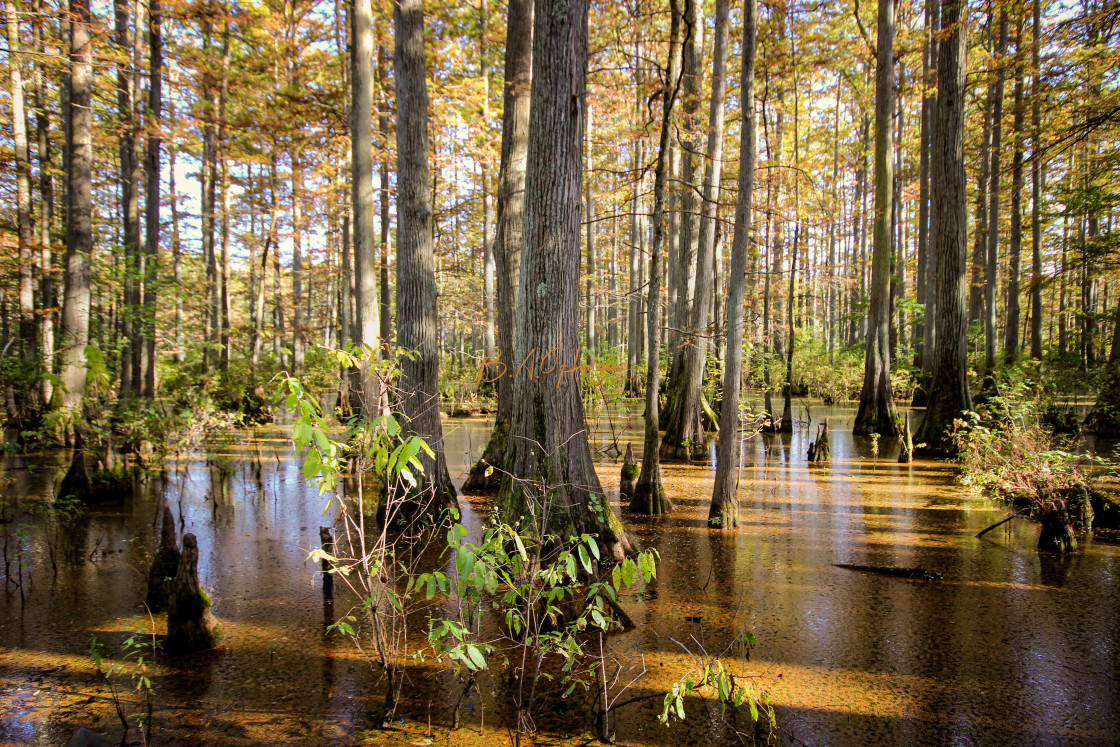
(1011, 647)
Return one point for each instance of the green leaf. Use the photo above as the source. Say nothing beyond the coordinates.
(584, 559)
(477, 658)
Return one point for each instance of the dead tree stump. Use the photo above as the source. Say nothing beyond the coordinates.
(906, 453)
(629, 473)
(190, 625)
(165, 565)
(821, 450)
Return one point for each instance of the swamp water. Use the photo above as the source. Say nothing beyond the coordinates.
(1011, 647)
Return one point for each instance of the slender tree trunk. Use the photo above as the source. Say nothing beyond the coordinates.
(207, 188)
(367, 304)
(589, 220)
(684, 434)
(949, 395)
(877, 413)
(649, 493)
(46, 213)
(636, 264)
(176, 243)
(386, 247)
(686, 241)
(27, 341)
(723, 511)
(269, 244)
(1036, 187)
(74, 335)
(991, 279)
(1011, 325)
(152, 198)
(980, 240)
(127, 128)
(507, 241)
(222, 162)
(489, 265)
(833, 293)
(416, 278)
(298, 316)
(922, 329)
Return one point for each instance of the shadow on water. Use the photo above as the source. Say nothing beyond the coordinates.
(1011, 647)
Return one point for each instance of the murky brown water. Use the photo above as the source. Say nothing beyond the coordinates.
(1011, 647)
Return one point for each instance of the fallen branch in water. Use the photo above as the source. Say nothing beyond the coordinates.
(912, 574)
(1004, 521)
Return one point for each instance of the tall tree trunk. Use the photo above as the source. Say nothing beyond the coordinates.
(835, 205)
(367, 303)
(949, 395)
(980, 240)
(386, 247)
(551, 473)
(127, 128)
(1015, 246)
(877, 412)
(74, 335)
(684, 433)
(416, 276)
(991, 275)
(649, 492)
(225, 302)
(28, 344)
(269, 244)
(208, 174)
(46, 212)
(152, 198)
(1036, 186)
(636, 260)
(298, 317)
(589, 220)
(687, 240)
(489, 265)
(508, 235)
(723, 511)
(922, 329)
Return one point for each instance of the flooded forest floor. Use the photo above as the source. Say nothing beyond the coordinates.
(1009, 647)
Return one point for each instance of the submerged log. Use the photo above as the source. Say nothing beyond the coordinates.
(165, 565)
(911, 574)
(629, 473)
(190, 625)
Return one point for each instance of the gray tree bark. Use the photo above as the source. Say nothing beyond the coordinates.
(723, 511)
(74, 334)
(684, 433)
(991, 275)
(367, 304)
(949, 395)
(551, 477)
(22, 153)
(1015, 245)
(649, 492)
(416, 273)
(1036, 186)
(877, 413)
(507, 241)
(152, 197)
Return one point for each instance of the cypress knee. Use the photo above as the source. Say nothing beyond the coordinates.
(165, 565)
(190, 625)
